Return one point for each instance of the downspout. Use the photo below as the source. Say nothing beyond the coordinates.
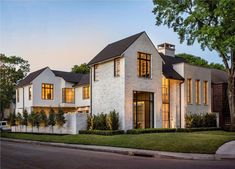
(91, 90)
(23, 98)
(180, 102)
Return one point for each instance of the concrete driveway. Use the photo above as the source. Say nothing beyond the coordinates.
(227, 150)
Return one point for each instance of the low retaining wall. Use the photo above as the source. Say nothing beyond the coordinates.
(74, 123)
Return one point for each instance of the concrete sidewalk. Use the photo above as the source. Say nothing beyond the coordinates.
(130, 151)
(227, 150)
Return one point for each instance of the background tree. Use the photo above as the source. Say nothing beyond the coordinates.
(51, 119)
(83, 68)
(60, 119)
(198, 61)
(211, 23)
(25, 119)
(19, 120)
(12, 69)
(43, 118)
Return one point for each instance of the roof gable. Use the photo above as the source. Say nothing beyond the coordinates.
(28, 79)
(115, 49)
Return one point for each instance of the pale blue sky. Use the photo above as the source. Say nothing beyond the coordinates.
(60, 34)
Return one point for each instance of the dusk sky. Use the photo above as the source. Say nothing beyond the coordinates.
(60, 34)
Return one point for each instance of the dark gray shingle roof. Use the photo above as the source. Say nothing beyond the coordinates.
(167, 66)
(218, 76)
(115, 49)
(71, 77)
(28, 79)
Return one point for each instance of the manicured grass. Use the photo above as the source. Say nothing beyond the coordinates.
(196, 142)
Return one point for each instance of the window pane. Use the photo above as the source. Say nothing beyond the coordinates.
(47, 91)
(68, 95)
(144, 65)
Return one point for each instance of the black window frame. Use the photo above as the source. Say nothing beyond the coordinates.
(43, 94)
(116, 73)
(146, 60)
(64, 95)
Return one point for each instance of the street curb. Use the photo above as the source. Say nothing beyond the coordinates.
(128, 151)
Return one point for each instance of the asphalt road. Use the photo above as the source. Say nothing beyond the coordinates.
(30, 156)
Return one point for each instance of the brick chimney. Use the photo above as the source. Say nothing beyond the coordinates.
(166, 49)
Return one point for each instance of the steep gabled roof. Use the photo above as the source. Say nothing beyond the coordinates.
(68, 76)
(28, 79)
(172, 60)
(167, 67)
(115, 49)
(71, 77)
(85, 80)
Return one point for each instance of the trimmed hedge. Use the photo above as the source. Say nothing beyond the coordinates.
(102, 132)
(150, 130)
(170, 130)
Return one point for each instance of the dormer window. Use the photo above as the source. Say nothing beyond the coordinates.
(144, 65)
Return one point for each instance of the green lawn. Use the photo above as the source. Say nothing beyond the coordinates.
(195, 142)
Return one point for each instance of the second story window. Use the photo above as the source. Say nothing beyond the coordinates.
(68, 95)
(197, 88)
(116, 67)
(30, 92)
(47, 91)
(205, 92)
(86, 92)
(95, 72)
(144, 65)
(189, 91)
(17, 95)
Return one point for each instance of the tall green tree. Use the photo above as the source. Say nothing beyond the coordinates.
(211, 23)
(51, 118)
(32, 119)
(12, 69)
(43, 118)
(198, 61)
(83, 68)
(19, 120)
(60, 118)
(25, 119)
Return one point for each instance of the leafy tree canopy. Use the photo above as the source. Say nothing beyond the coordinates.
(198, 61)
(12, 69)
(83, 68)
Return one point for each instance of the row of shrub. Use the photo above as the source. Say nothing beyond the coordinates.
(37, 119)
(103, 121)
(102, 132)
(194, 120)
(170, 130)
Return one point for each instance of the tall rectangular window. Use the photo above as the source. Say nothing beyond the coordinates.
(68, 95)
(205, 92)
(95, 73)
(189, 91)
(17, 95)
(47, 91)
(30, 92)
(144, 65)
(86, 92)
(197, 88)
(116, 67)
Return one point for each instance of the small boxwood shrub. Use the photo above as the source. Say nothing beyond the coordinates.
(194, 120)
(102, 132)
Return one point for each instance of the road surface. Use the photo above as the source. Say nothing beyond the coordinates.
(31, 156)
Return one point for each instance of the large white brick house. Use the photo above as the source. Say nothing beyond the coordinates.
(150, 87)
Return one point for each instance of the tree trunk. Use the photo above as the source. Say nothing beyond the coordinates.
(231, 100)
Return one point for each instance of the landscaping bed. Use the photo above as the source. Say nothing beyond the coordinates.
(186, 142)
(102, 132)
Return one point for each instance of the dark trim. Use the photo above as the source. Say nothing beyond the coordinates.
(91, 91)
